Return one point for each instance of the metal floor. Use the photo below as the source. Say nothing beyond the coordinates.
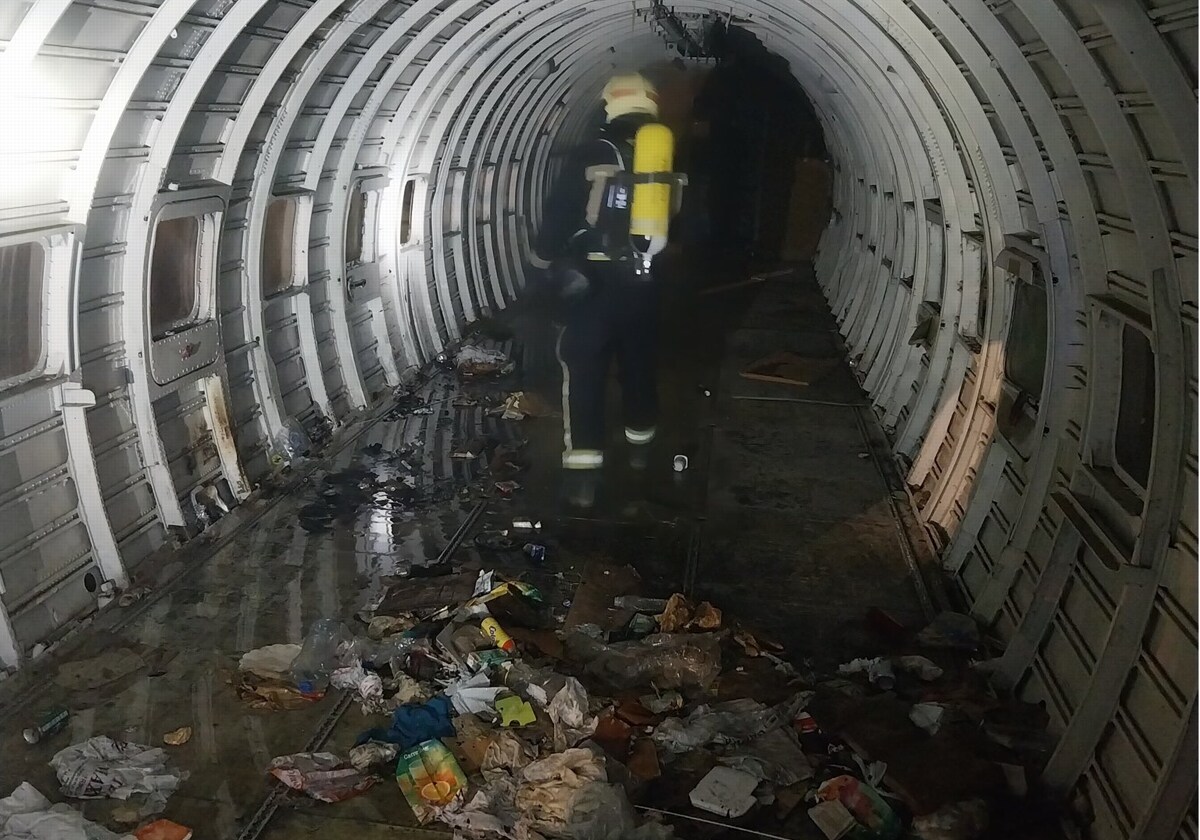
(787, 518)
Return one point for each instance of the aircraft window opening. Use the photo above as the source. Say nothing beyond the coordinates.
(453, 214)
(174, 275)
(1134, 436)
(406, 211)
(356, 226)
(1025, 350)
(22, 281)
(279, 245)
(485, 190)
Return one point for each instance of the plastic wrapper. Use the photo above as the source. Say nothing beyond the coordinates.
(569, 713)
(774, 757)
(666, 661)
(372, 754)
(733, 722)
(323, 776)
(291, 441)
(876, 820)
(506, 754)
(546, 787)
(27, 815)
(102, 768)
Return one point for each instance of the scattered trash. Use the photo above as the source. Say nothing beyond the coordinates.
(50, 722)
(526, 525)
(25, 814)
(833, 819)
(382, 626)
(101, 768)
(429, 778)
(679, 615)
(178, 737)
(535, 552)
(507, 488)
(277, 695)
(495, 633)
(725, 791)
(506, 752)
(132, 596)
(412, 724)
(928, 716)
(372, 754)
(662, 703)
(731, 722)
(291, 442)
(323, 776)
(569, 713)
(878, 670)
(522, 404)
(271, 661)
(163, 830)
(950, 630)
(666, 661)
(865, 805)
(319, 656)
(473, 695)
(514, 711)
(965, 820)
(775, 756)
(679, 463)
(473, 360)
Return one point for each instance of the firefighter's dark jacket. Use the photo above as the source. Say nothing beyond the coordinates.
(565, 211)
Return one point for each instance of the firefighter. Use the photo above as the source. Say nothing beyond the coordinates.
(600, 266)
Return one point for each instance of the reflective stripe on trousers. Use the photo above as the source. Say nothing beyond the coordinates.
(640, 437)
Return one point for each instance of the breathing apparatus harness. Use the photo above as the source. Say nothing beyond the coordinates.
(629, 208)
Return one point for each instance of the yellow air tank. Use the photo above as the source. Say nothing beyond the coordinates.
(653, 154)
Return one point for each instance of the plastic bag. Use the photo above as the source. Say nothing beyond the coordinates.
(569, 713)
(665, 661)
(732, 722)
(774, 757)
(323, 776)
(368, 755)
(546, 787)
(291, 441)
(506, 753)
(27, 815)
(100, 768)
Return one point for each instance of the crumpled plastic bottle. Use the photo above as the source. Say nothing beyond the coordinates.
(319, 655)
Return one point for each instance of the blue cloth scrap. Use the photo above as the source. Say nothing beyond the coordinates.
(414, 723)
